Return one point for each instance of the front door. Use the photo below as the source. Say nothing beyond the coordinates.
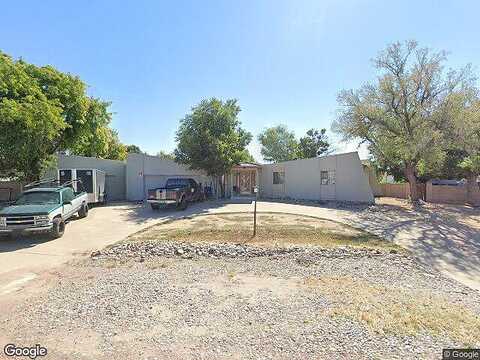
(278, 182)
(245, 182)
(328, 190)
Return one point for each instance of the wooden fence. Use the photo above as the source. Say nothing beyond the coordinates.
(447, 194)
(9, 190)
(442, 194)
(401, 191)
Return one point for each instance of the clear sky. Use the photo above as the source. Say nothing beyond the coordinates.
(285, 61)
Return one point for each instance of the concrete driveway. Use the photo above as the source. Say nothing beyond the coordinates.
(446, 238)
(22, 258)
(442, 237)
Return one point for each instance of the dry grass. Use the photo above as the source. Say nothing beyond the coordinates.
(396, 311)
(272, 230)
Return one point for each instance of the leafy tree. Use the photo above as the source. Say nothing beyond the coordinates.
(42, 111)
(278, 144)
(96, 138)
(447, 168)
(246, 157)
(29, 122)
(464, 134)
(210, 138)
(115, 149)
(133, 149)
(69, 92)
(402, 115)
(313, 144)
(165, 155)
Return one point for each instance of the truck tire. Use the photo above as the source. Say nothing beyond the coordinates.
(183, 204)
(83, 212)
(155, 206)
(58, 228)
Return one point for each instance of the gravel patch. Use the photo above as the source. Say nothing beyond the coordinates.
(217, 301)
(146, 249)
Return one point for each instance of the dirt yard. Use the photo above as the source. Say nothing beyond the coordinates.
(202, 288)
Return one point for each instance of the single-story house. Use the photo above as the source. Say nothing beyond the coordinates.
(337, 177)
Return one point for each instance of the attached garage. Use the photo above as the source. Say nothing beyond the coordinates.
(146, 172)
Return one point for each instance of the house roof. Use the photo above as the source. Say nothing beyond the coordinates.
(246, 165)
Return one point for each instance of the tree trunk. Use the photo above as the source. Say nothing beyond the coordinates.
(471, 188)
(221, 187)
(412, 180)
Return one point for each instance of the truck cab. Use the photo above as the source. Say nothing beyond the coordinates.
(43, 209)
(177, 191)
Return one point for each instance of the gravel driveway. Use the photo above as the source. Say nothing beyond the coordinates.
(170, 300)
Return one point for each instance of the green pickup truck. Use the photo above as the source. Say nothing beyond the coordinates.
(43, 208)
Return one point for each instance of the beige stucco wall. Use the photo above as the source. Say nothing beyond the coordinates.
(302, 179)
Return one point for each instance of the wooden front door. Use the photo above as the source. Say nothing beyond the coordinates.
(245, 182)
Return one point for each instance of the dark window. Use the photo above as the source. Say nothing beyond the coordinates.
(68, 195)
(278, 177)
(327, 177)
(86, 178)
(65, 175)
(177, 182)
(39, 197)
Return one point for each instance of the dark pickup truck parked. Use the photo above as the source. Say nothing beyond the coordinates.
(178, 192)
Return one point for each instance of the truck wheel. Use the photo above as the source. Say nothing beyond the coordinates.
(155, 206)
(83, 212)
(182, 205)
(58, 228)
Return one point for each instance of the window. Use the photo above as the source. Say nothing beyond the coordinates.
(38, 197)
(177, 183)
(68, 195)
(278, 178)
(327, 177)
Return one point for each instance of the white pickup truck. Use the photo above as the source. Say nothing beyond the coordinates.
(43, 208)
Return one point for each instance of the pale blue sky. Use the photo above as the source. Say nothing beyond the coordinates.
(284, 61)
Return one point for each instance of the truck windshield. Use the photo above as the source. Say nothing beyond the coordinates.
(175, 183)
(39, 197)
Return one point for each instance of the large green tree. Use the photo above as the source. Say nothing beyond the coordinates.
(133, 149)
(210, 138)
(165, 155)
(314, 143)
(95, 138)
(278, 144)
(402, 115)
(464, 134)
(42, 111)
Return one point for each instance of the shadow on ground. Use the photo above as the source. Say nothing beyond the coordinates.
(437, 236)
